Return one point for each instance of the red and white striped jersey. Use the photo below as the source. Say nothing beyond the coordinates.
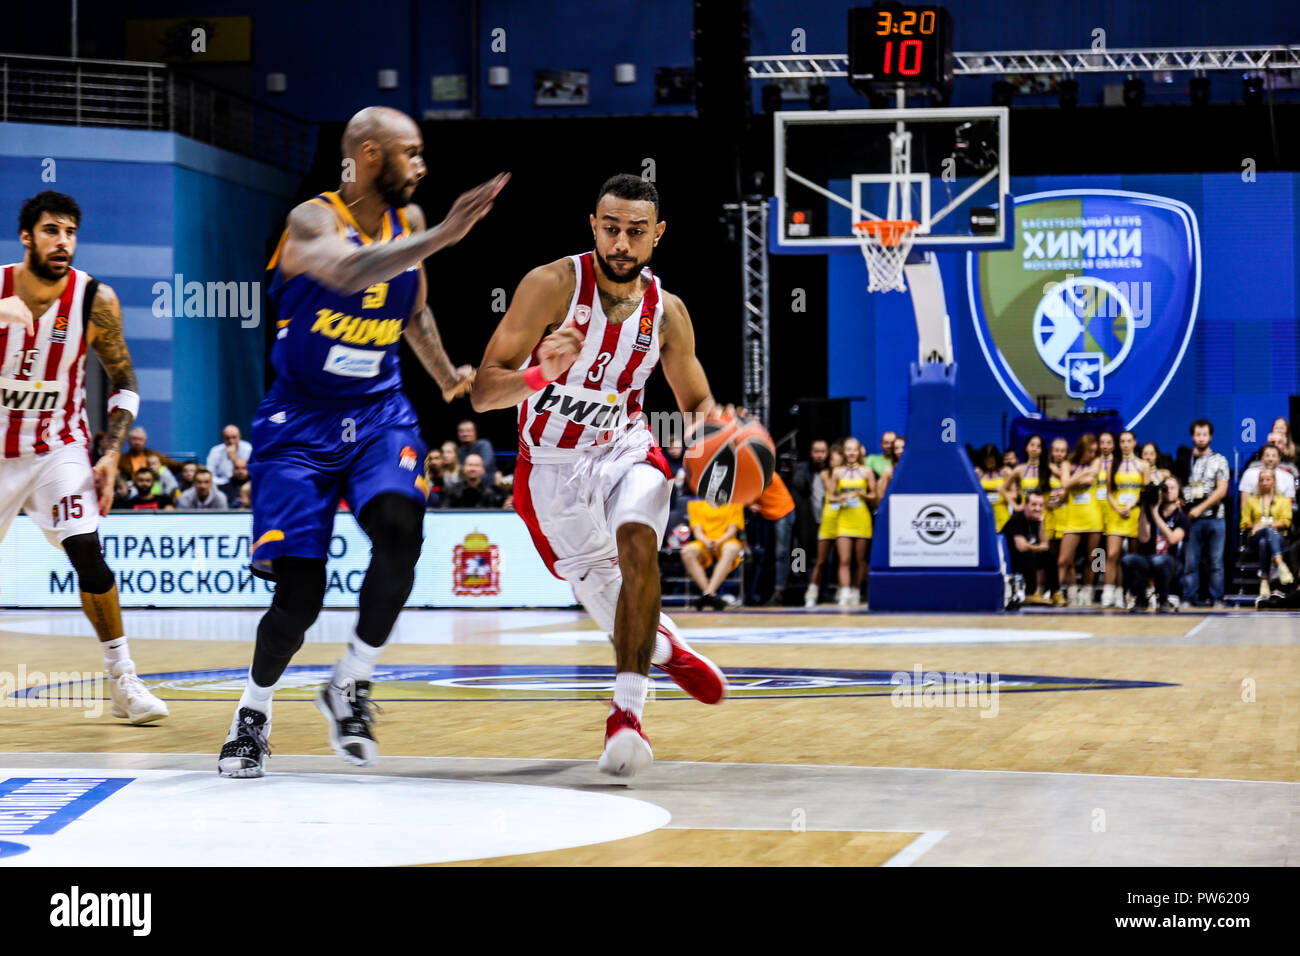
(43, 375)
(601, 394)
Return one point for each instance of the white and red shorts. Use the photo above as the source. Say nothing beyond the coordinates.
(575, 500)
(57, 490)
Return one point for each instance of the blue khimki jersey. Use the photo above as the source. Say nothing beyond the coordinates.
(330, 346)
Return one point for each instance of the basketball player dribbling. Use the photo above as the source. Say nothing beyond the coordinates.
(573, 352)
(336, 423)
(45, 465)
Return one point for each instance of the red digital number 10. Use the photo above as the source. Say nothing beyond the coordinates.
(904, 68)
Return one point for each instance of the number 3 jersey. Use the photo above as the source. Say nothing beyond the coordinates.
(334, 347)
(42, 375)
(600, 396)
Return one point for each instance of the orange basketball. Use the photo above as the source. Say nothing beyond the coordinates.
(729, 461)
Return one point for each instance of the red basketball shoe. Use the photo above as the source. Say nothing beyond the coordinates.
(627, 750)
(692, 672)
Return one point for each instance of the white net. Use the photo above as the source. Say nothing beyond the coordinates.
(885, 245)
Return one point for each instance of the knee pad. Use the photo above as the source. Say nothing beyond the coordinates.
(87, 557)
(598, 592)
(299, 593)
(395, 526)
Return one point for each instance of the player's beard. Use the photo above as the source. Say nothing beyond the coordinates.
(613, 276)
(393, 191)
(42, 268)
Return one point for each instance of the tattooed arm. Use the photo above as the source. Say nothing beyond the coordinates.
(314, 245)
(104, 335)
(422, 336)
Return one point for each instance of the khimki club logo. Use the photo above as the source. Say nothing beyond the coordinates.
(1097, 300)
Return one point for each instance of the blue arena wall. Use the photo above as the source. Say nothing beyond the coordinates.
(1241, 361)
(156, 205)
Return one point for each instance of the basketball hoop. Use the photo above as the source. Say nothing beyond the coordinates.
(885, 245)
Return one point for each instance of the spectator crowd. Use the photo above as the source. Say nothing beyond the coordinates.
(1169, 527)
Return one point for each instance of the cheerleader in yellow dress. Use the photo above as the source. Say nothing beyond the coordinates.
(993, 478)
(1124, 486)
(1105, 460)
(855, 489)
(1054, 513)
(830, 517)
(1083, 520)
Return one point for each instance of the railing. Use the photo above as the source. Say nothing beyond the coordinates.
(149, 96)
(1043, 62)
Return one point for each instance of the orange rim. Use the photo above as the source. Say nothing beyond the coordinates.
(889, 232)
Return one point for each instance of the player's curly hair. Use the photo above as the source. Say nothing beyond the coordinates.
(628, 186)
(60, 204)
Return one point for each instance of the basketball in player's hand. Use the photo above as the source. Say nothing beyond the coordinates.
(729, 461)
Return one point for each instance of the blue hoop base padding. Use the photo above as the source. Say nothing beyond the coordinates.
(935, 463)
(936, 589)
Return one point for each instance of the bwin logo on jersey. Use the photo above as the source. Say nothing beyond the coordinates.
(606, 413)
(1099, 296)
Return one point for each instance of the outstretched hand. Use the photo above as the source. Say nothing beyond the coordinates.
(559, 350)
(464, 382)
(14, 311)
(105, 472)
(470, 207)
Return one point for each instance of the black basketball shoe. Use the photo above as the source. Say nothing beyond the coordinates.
(246, 749)
(347, 709)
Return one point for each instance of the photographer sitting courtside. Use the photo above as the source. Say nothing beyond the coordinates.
(1027, 549)
(1161, 529)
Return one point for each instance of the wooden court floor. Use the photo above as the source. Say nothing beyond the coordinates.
(1228, 708)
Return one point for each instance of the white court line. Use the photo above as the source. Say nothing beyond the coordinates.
(1197, 628)
(914, 850)
(6, 755)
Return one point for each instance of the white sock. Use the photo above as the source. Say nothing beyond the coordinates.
(356, 664)
(255, 696)
(629, 691)
(663, 648)
(116, 652)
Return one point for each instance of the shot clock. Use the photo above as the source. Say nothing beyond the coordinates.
(893, 43)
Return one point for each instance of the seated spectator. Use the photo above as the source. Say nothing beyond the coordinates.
(1028, 550)
(136, 454)
(451, 473)
(203, 496)
(144, 499)
(1270, 457)
(122, 490)
(473, 491)
(221, 458)
(1162, 528)
(185, 476)
(716, 533)
(506, 485)
(1010, 459)
(471, 444)
(1266, 517)
(878, 463)
(238, 477)
(433, 478)
(246, 496)
(1283, 427)
(165, 486)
